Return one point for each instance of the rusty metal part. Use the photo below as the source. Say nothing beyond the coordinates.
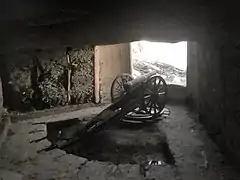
(129, 86)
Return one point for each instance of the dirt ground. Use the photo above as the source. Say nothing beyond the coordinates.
(196, 156)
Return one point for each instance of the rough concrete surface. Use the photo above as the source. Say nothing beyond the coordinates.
(1, 94)
(197, 158)
(61, 113)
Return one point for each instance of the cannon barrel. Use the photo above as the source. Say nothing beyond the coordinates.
(137, 81)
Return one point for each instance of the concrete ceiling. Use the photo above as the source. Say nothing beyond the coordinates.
(103, 22)
(29, 10)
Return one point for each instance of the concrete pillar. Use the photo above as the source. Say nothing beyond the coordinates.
(1, 103)
(1, 94)
(193, 57)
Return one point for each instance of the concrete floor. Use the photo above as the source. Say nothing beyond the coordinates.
(197, 158)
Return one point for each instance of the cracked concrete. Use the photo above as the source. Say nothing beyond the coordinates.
(196, 156)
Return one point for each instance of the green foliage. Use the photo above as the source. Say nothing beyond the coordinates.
(52, 83)
(53, 93)
(82, 80)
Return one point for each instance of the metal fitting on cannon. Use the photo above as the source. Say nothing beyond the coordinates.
(130, 85)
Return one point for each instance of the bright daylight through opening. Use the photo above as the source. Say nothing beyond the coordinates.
(168, 59)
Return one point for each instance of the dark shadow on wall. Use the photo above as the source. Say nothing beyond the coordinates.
(8, 94)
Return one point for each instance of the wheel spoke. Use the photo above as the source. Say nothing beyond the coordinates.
(119, 83)
(161, 93)
(150, 110)
(124, 80)
(155, 88)
(159, 82)
(117, 89)
(148, 103)
(161, 87)
(128, 78)
(147, 96)
(155, 108)
(160, 105)
(155, 81)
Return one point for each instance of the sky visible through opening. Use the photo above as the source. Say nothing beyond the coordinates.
(174, 54)
(168, 59)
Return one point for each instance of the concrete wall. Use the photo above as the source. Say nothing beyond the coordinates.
(211, 101)
(213, 78)
(229, 127)
(5, 121)
(176, 93)
(114, 60)
(193, 58)
(1, 105)
(1, 94)
(219, 97)
(210, 87)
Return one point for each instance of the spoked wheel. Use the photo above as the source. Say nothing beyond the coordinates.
(117, 89)
(155, 99)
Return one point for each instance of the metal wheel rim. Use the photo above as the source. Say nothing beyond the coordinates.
(117, 88)
(155, 98)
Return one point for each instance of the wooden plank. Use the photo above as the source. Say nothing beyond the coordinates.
(96, 75)
(69, 71)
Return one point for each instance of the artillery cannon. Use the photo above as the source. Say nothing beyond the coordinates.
(142, 98)
(151, 90)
